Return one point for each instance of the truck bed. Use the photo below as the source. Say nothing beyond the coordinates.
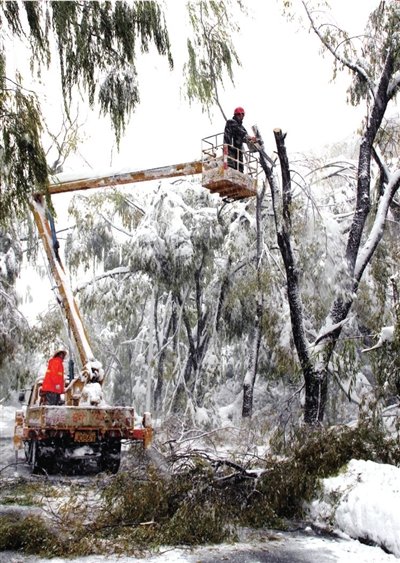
(71, 417)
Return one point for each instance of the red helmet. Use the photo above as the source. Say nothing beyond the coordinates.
(238, 110)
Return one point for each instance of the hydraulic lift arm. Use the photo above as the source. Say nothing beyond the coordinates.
(91, 369)
(183, 169)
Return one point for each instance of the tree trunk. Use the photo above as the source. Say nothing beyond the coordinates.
(158, 390)
(396, 342)
(358, 253)
(251, 374)
(255, 339)
(316, 387)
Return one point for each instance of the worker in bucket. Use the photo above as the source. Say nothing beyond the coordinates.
(234, 136)
(53, 382)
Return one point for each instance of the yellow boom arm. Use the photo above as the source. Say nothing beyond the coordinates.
(92, 370)
(184, 169)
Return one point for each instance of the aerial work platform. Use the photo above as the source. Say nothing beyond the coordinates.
(228, 181)
(217, 176)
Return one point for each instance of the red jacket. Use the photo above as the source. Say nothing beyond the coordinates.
(54, 377)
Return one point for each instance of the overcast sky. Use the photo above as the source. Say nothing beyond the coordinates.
(284, 82)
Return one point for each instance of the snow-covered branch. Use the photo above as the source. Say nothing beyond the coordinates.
(393, 85)
(121, 270)
(352, 65)
(11, 302)
(328, 330)
(386, 335)
(112, 225)
(377, 229)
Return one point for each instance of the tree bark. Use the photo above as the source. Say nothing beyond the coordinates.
(255, 339)
(357, 257)
(315, 380)
(158, 390)
(396, 343)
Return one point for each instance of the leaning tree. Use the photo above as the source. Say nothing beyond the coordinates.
(374, 62)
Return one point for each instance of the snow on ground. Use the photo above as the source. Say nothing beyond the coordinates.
(362, 502)
(282, 549)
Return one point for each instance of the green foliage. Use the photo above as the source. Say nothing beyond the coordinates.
(191, 508)
(181, 510)
(12, 325)
(94, 46)
(345, 363)
(381, 37)
(381, 272)
(95, 238)
(29, 534)
(211, 53)
(240, 305)
(388, 138)
(206, 502)
(23, 493)
(385, 367)
(365, 57)
(134, 513)
(97, 39)
(43, 337)
(317, 453)
(23, 167)
(97, 44)
(15, 342)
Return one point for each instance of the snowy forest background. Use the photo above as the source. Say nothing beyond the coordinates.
(185, 296)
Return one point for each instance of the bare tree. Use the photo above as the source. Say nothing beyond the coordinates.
(376, 80)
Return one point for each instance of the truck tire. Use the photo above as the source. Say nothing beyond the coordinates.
(27, 450)
(35, 458)
(111, 456)
(39, 463)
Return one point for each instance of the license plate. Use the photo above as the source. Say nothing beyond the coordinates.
(85, 436)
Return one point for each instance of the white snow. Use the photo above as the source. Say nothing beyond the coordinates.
(361, 502)
(92, 394)
(386, 335)
(81, 452)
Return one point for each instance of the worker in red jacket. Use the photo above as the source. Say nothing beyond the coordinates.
(53, 382)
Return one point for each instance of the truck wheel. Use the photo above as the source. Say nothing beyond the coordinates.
(27, 450)
(40, 464)
(35, 459)
(111, 457)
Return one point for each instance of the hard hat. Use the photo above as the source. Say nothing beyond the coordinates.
(238, 110)
(58, 351)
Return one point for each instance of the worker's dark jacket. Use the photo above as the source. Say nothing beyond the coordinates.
(234, 136)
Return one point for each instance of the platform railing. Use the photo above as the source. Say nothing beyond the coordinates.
(216, 153)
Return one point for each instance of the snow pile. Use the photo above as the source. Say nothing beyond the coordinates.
(7, 419)
(92, 394)
(363, 503)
